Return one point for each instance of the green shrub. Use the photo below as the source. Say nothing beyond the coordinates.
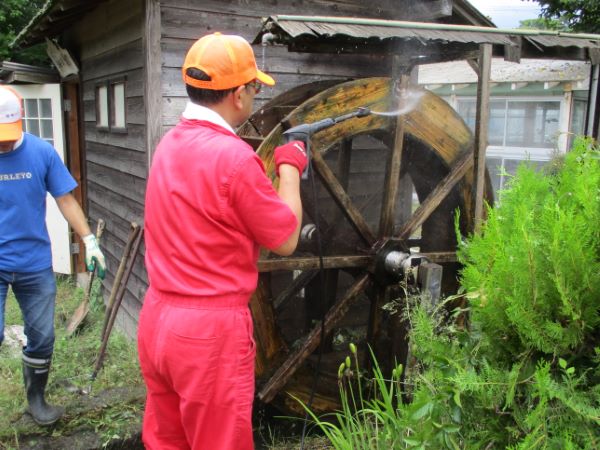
(525, 373)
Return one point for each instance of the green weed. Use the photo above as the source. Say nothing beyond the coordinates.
(108, 406)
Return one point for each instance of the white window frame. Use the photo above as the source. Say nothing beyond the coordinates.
(111, 108)
(102, 111)
(539, 154)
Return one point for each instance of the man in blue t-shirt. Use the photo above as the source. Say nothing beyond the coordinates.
(29, 169)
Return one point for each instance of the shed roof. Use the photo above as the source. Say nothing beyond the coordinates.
(11, 72)
(58, 15)
(529, 70)
(55, 17)
(347, 34)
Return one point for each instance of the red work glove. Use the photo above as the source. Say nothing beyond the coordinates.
(292, 153)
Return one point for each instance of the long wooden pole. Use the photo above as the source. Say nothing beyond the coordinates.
(482, 119)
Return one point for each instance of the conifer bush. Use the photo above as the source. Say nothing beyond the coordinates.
(525, 372)
(533, 278)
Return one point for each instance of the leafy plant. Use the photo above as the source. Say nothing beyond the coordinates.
(525, 373)
(14, 17)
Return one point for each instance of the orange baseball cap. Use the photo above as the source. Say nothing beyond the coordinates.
(11, 115)
(227, 59)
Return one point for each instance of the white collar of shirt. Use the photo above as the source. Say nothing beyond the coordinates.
(19, 142)
(198, 112)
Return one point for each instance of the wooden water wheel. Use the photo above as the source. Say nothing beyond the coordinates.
(382, 183)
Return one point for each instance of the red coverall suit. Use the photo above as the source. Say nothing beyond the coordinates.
(209, 205)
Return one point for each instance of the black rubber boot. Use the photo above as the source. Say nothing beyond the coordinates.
(35, 376)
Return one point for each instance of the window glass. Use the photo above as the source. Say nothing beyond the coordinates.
(46, 128)
(102, 106)
(497, 122)
(532, 124)
(31, 107)
(32, 126)
(45, 108)
(577, 119)
(118, 96)
(466, 109)
(494, 167)
(34, 109)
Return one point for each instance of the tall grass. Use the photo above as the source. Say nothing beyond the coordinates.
(69, 382)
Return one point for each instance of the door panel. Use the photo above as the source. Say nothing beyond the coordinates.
(43, 117)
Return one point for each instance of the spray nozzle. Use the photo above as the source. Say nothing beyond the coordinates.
(303, 131)
(267, 38)
(363, 111)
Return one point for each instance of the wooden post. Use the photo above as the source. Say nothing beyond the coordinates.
(152, 76)
(481, 131)
(76, 162)
(591, 121)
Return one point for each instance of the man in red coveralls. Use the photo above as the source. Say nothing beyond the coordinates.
(209, 206)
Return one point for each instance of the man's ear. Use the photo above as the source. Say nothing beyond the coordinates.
(237, 97)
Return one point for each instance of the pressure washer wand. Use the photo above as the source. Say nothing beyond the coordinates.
(304, 131)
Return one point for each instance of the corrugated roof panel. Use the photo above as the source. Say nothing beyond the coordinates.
(564, 41)
(296, 28)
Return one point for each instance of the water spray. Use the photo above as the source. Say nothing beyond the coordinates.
(408, 101)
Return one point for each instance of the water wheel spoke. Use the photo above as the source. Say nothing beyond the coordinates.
(436, 196)
(312, 341)
(312, 263)
(293, 288)
(342, 198)
(392, 182)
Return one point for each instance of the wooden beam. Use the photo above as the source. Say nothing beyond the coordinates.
(473, 64)
(512, 53)
(312, 341)
(440, 257)
(152, 76)
(312, 262)
(482, 117)
(593, 109)
(437, 195)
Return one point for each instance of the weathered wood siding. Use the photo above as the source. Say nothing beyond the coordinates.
(108, 44)
(184, 21)
(145, 41)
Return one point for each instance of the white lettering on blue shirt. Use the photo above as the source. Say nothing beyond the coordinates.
(15, 176)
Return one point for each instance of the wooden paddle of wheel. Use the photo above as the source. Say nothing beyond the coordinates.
(384, 184)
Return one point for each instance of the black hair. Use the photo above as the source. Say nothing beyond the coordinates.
(204, 97)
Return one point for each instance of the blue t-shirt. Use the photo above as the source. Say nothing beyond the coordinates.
(27, 174)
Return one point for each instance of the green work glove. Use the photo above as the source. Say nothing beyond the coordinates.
(93, 254)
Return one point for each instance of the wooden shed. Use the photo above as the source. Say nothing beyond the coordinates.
(128, 89)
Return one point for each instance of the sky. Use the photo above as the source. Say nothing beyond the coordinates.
(507, 13)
